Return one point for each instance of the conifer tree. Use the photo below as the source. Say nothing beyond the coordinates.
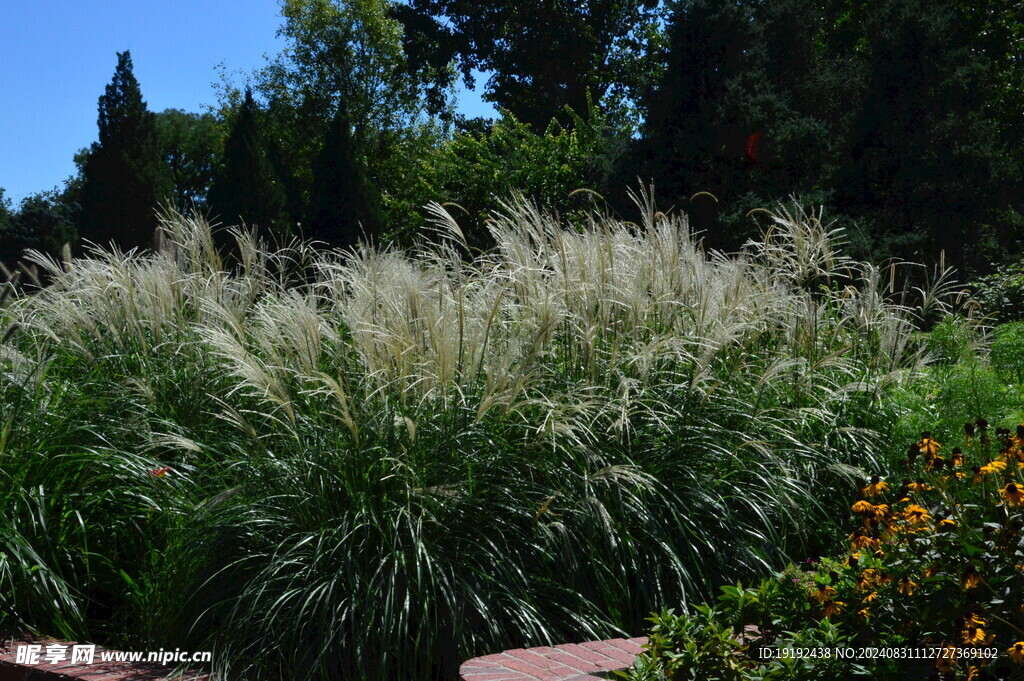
(124, 179)
(245, 188)
(343, 207)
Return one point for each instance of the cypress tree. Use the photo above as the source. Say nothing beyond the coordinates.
(124, 177)
(343, 206)
(245, 188)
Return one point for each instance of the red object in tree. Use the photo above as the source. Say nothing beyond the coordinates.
(752, 144)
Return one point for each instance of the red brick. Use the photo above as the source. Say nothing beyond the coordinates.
(588, 655)
(611, 651)
(500, 658)
(531, 671)
(628, 646)
(492, 675)
(531, 657)
(574, 662)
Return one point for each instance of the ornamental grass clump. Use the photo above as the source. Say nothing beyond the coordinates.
(375, 465)
(929, 586)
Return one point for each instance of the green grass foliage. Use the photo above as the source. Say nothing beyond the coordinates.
(377, 465)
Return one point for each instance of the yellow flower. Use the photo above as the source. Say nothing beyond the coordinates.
(1016, 652)
(863, 507)
(871, 597)
(876, 487)
(823, 594)
(970, 580)
(918, 486)
(864, 613)
(1013, 494)
(929, 447)
(993, 467)
(907, 587)
(916, 515)
(976, 636)
(946, 658)
(947, 524)
(833, 608)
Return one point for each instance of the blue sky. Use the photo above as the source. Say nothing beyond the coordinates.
(56, 57)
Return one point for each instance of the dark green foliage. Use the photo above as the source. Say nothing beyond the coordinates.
(49, 219)
(1001, 294)
(12, 240)
(343, 208)
(190, 144)
(544, 56)
(486, 164)
(925, 155)
(735, 114)
(245, 187)
(125, 178)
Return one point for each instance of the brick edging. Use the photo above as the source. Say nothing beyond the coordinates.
(10, 670)
(589, 661)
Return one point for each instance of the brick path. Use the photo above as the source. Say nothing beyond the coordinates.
(567, 662)
(97, 671)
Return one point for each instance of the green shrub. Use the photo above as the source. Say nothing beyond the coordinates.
(1007, 354)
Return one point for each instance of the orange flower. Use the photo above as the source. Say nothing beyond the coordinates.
(876, 487)
(823, 593)
(1013, 494)
(863, 507)
(929, 447)
(916, 515)
(993, 467)
(970, 579)
(160, 472)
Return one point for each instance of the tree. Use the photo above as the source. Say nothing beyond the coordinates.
(124, 178)
(342, 206)
(544, 55)
(342, 50)
(190, 144)
(245, 187)
(13, 240)
(929, 157)
(48, 220)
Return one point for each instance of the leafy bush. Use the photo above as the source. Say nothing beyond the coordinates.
(1007, 352)
(1001, 294)
(933, 572)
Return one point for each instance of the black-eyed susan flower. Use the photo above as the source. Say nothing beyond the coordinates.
(946, 659)
(916, 515)
(1016, 652)
(907, 586)
(833, 608)
(875, 487)
(946, 525)
(1013, 494)
(958, 457)
(929, 447)
(993, 467)
(863, 507)
(919, 486)
(823, 593)
(970, 578)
